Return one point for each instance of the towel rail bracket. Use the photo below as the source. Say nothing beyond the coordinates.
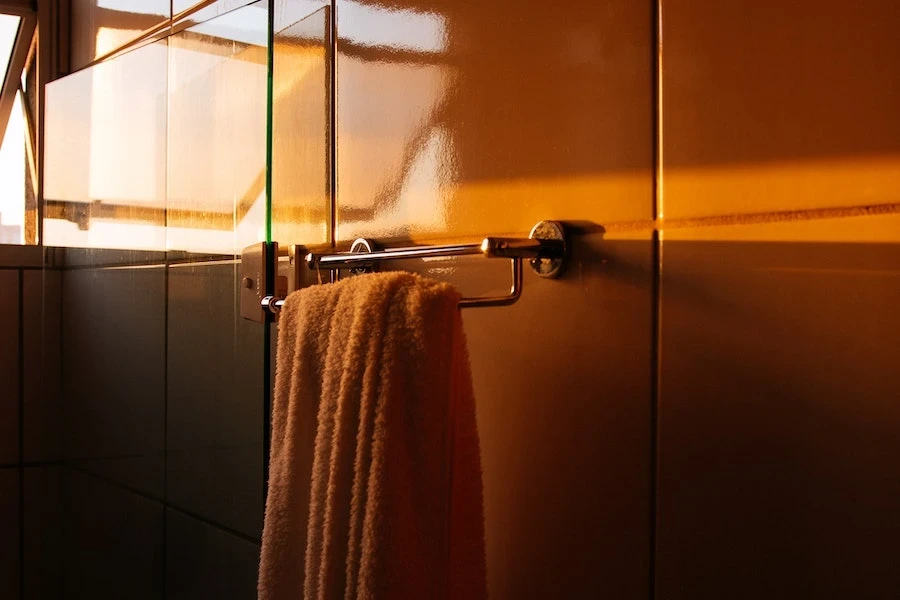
(262, 291)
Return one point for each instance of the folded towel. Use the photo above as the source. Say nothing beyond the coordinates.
(375, 471)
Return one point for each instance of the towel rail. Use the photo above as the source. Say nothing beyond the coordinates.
(546, 249)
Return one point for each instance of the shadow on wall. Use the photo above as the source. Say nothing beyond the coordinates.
(777, 419)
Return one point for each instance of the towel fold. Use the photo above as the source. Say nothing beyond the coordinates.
(375, 472)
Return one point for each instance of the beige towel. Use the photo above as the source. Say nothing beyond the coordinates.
(375, 472)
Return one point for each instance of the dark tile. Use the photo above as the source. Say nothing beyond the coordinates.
(778, 449)
(203, 561)
(562, 386)
(215, 400)
(9, 533)
(43, 533)
(13, 256)
(41, 311)
(9, 366)
(113, 541)
(113, 339)
(94, 258)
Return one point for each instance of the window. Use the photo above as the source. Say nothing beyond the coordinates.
(18, 173)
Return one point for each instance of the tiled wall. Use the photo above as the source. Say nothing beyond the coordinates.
(30, 497)
(703, 407)
(780, 274)
(163, 389)
(460, 119)
(163, 383)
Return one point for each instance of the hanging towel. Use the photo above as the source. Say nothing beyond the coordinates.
(375, 472)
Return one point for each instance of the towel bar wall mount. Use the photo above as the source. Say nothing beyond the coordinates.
(262, 294)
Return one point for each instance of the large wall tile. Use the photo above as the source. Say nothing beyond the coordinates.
(113, 541)
(205, 562)
(778, 452)
(215, 399)
(9, 366)
(562, 384)
(776, 106)
(9, 533)
(113, 335)
(20, 256)
(43, 533)
(454, 119)
(41, 313)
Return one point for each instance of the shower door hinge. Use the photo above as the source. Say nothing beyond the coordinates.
(259, 279)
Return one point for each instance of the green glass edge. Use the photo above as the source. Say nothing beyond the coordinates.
(270, 70)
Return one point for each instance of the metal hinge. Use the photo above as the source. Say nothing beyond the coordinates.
(258, 280)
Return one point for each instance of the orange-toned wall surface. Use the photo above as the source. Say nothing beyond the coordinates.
(462, 119)
(752, 173)
(706, 405)
(779, 453)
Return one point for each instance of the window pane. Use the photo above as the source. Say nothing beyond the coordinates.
(9, 25)
(12, 178)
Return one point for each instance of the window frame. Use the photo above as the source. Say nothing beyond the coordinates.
(13, 75)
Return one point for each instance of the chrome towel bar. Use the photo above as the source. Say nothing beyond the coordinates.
(546, 249)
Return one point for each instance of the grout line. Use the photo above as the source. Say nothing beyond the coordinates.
(655, 388)
(267, 399)
(21, 468)
(32, 464)
(115, 483)
(166, 505)
(224, 528)
(165, 494)
(162, 262)
(784, 216)
(167, 261)
(655, 298)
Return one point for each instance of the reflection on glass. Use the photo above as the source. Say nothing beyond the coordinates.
(163, 147)
(217, 133)
(105, 154)
(101, 26)
(396, 167)
(301, 186)
(202, 11)
(398, 29)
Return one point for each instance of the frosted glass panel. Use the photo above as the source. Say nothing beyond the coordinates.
(101, 26)
(301, 183)
(217, 133)
(105, 154)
